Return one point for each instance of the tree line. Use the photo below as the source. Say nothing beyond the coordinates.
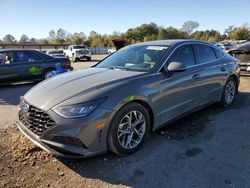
(144, 32)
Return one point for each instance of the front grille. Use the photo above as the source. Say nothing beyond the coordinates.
(35, 119)
(82, 52)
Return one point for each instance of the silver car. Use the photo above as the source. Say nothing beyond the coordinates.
(115, 104)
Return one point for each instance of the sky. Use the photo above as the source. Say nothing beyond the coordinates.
(37, 17)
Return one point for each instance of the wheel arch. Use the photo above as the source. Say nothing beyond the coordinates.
(236, 79)
(145, 104)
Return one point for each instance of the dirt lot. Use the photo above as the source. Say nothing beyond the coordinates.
(209, 148)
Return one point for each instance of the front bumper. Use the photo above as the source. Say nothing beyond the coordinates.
(76, 138)
(80, 56)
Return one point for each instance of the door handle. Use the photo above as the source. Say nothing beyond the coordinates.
(223, 69)
(196, 76)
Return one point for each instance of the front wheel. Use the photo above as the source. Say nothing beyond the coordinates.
(129, 129)
(229, 92)
(88, 58)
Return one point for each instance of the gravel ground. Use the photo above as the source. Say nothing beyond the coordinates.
(209, 148)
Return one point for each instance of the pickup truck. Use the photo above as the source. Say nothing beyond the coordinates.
(77, 52)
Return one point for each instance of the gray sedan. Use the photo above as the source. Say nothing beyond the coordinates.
(115, 104)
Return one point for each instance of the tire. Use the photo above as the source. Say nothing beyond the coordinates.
(121, 131)
(48, 74)
(229, 92)
(76, 59)
(88, 58)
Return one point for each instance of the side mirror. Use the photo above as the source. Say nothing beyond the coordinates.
(176, 67)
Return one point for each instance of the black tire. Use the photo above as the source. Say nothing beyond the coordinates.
(113, 142)
(76, 59)
(46, 73)
(88, 58)
(224, 102)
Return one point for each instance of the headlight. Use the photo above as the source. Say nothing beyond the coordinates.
(78, 110)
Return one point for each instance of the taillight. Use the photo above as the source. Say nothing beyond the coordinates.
(68, 63)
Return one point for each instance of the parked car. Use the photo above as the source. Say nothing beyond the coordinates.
(242, 52)
(115, 104)
(56, 53)
(78, 52)
(227, 46)
(111, 50)
(27, 65)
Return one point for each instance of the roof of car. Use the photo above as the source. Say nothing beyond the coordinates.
(13, 49)
(170, 42)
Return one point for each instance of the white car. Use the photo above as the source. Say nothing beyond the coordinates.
(111, 50)
(78, 52)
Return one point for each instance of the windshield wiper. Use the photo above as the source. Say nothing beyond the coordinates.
(118, 68)
(126, 68)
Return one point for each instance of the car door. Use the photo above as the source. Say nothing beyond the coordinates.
(212, 73)
(179, 90)
(28, 65)
(7, 68)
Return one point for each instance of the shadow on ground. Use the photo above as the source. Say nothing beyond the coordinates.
(151, 164)
(10, 94)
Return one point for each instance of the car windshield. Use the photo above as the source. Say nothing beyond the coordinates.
(78, 47)
(134, 58)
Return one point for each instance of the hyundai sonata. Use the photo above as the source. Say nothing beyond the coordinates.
(116, 103)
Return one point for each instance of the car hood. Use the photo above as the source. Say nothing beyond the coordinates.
(56, 90)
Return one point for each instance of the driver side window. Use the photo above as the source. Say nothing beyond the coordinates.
(183, 54)
(6, 58)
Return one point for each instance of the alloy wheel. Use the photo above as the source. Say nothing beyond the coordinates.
(230, 92)
(131, 129)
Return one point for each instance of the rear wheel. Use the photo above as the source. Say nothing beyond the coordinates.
(229, 92)
(88, 58)
(48, 74)
(129, 129)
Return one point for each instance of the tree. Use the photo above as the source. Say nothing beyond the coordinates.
(79, 38)
(190, 26)
(162, 34)
(24, 39)
(173, 33)
(241, 33)
(52, 36)
(228, 32)
(9, 39)
(60, 36)
(97, 42)
(209, 35)
(32, 40)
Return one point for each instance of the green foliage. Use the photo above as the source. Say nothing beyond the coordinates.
(9, 39)
(162, 34)
(241, 33)
(78, 38)
(209, 35)
(228, 31)
(143, 32)
(24, 39)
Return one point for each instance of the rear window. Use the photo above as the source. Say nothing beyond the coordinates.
(205, 53)
(219, 52)
(27, 57)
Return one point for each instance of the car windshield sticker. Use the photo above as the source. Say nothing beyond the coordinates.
(157, 47)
